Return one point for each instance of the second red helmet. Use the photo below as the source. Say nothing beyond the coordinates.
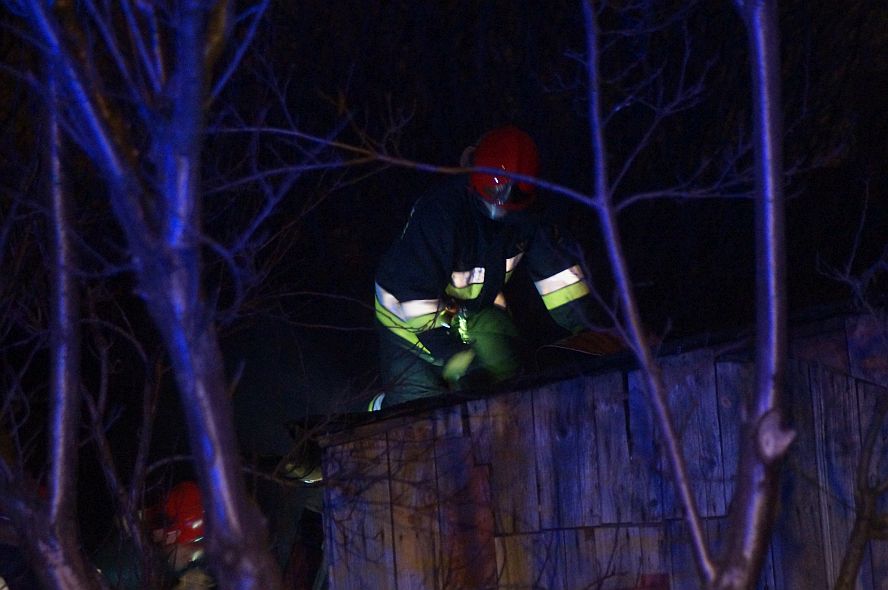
(512, 150)
(184, 509)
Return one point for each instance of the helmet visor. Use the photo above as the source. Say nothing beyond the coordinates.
(503, 192)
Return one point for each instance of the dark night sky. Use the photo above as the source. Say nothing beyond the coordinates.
(438, 74)
(458, 68)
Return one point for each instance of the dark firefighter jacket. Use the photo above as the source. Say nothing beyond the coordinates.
(450, 254)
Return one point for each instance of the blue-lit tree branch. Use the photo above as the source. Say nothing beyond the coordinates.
(764, 438)
(61, 539)
(157, 207)
(633, 325)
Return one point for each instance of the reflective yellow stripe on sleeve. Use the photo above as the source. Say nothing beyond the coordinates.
(464, 293)
(466, 284)
(409, 318)
(565, 295)
(563, 287)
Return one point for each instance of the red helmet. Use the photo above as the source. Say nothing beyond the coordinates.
(184, 509)
(512, 150)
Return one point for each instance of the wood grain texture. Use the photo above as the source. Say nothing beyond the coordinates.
(837, 451)
(624, 554)
(643, 475)
(357, 516)
(689, 379)
(468, 554)
(624, 496)
(798, 542)
(414, 506)
(562, 486)
(513, 479)
(530, 561)
(567, 461)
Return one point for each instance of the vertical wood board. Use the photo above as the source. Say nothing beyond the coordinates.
(479, 430)
(623, 554)
(414, 502)
(581, 570)
(357, 516)
(837, 447)
(874, 569)
(567, 462)
(827, 345)
(448, 422)
(513, 479)
(879, 555)
(868, 348)
(734, 385)
(621, 498)
(683, 567)
(530, 561)
(689, 380)
(643, 474)
(468, 553)
(798, 542)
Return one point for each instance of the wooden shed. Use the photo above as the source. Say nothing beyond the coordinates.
(559, 484)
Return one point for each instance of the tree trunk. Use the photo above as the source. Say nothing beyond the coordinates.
(170, 278)
(764, 441)
(56, 541)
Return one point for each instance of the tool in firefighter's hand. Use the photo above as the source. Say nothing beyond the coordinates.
(457, 320)
(593, 343)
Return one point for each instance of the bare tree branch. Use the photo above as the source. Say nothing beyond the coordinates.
(765, 441)
(69, 566)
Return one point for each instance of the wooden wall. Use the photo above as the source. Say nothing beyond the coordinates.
(562, 486)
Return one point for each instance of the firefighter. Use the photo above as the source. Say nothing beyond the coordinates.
(440, 308)
(176, 527)
(441, 312)
(183, 536)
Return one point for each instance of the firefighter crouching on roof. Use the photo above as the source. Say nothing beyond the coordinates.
(440, 308)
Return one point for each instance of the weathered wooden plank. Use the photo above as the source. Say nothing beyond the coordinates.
(868, 347)
(357, 516)
(513, 478)
(837, 447)
(530, 561)
(626, 555)
(625, 493)
(879, 559)
(448, 422)
(468, 553)
(414, 505)
(823, 342)
(642, 474)
(689, 379)
(874, 567)
(479, 430)
(683, 571)
(580, 570)
(683, 567)
(768, 580)
(734, 384)
(567, 462)
(798, 543)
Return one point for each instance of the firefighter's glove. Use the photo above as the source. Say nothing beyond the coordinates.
(457, 365)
